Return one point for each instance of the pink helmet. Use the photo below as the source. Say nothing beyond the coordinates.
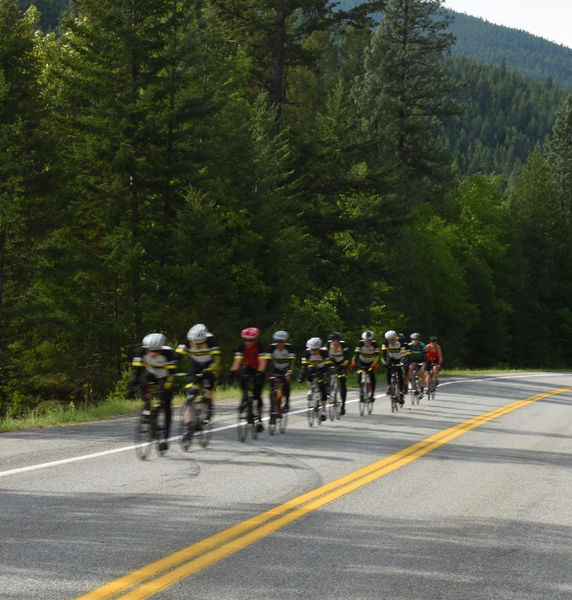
(250, 333)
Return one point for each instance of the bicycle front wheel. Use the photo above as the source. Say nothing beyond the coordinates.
(273, 413)
(143, 437)
(311, 412)
(204, 424)
(362, 398)
(242, 423)
(186, 427)
(369, 399)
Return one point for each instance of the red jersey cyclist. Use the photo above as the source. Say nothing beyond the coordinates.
(434, 360)
(250, 360)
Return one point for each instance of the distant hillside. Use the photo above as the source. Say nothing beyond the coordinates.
(530, 55)
(487, 43)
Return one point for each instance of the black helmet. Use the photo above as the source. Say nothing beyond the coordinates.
(433, 339)
(336, 335)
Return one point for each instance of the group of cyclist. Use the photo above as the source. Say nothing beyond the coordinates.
(158, 363)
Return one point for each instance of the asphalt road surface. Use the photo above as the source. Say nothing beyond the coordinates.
(466, 497)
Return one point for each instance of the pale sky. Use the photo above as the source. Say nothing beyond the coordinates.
(549, 19)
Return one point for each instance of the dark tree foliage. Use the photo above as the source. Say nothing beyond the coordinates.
(281, 164)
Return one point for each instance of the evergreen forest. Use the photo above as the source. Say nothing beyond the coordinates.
(285, 164)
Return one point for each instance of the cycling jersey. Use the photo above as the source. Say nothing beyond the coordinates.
(393, 352)
(202, 357)
(433, 352)
(281, 359)
(417, 351)
(249, 355)
(160, 365)
(319, 360)
(366, 355)
(338, 355)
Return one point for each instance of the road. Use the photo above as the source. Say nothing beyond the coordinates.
(466, 497)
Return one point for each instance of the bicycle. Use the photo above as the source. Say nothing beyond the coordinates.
(246, 416)
(414, 389)
(278, 418)
(365, 392)
(197, 413)
(151, 425)
(431, 383)
(314, 401)
(335, 404)
(431, 388)
(394, 394)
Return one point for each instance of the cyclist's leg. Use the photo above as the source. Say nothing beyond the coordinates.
(373, 381)
(388, 377)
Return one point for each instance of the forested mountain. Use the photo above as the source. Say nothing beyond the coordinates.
(518, 50)
(166, 163)
(530, 55)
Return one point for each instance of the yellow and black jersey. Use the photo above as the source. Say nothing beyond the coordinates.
(161, 364)
(366, 354)
(339, 354)
(280, 359)
(202, 357)
(318, 360)
(393, 352)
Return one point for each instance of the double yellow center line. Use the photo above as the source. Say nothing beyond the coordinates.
(152, 578)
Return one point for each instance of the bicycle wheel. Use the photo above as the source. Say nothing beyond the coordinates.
(160, 430)
(273, 412)
(311, 414)
(186, 426)
(283, 422)
(413, 389)
(204, 422)
(143, 438)
(362, 396)
(337, 399)
(242, 424)
(431, 392)
(369, 398)
(394, 394)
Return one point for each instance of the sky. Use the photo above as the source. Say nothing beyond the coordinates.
(550, 19)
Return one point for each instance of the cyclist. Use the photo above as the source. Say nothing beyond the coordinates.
(316, 359)
(416, 350)
(250, 359)
(156, 363)
(366, 355)
(281, 358)
(393, 353)
(338, 353)
(434, 360)
(204, 360)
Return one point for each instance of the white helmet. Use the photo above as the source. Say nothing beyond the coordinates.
(280, 336)
(197, 333)
(154, 341)
(313, 343)
(367, 335)
(415, 336)
(390, 335)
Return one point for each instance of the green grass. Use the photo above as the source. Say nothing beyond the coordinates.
(56, 415)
